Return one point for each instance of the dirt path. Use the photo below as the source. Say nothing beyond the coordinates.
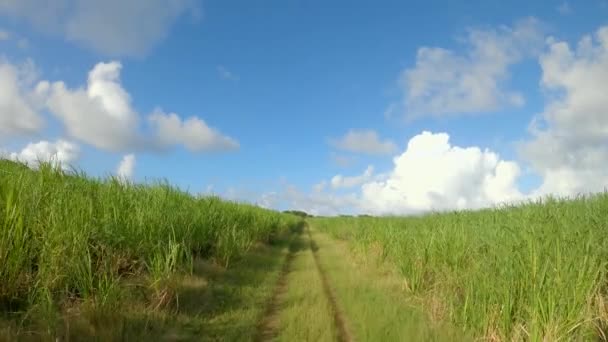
(269, 324)
(316, 290)
(303, 305)
(339, 320)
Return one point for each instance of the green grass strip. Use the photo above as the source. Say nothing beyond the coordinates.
(305, 312)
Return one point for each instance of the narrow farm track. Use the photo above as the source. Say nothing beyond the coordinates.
(323, 294)
(343, 334)
(268, 325)
(303, 305)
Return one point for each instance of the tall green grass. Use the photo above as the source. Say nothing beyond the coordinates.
(532, 272)
(67, 238)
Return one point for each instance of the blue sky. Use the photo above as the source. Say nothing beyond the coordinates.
(293, 101)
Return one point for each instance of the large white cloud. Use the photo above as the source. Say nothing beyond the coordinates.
(192, 133)
(446, 82)
(100, 113)
(430, 174)
(18, 110)
(115, 27)
(569, 148)
(433, 175)
(60, 153)
(364, 141)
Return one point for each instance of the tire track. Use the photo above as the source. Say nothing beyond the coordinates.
(343, 334)
(268, 325)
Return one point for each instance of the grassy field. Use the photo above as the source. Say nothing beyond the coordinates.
(71, 245)
(84, 258)
(532, 272)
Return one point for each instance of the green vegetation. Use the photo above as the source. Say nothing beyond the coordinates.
(71, 244)
(103, 258)
(298, 213)
(371, 298)
(305, 313)
(532, 272)
(219, 304)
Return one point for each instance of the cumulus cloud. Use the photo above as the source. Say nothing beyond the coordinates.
(113, 27)
(192, 133)
(364, 141)
(340, 181)
(434, 175)
(126, 167)
(431, 174)
(100, 113)
(18, 109)
(60, 153)
(446, 82)
(569, 146)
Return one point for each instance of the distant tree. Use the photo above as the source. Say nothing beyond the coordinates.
(298, 213)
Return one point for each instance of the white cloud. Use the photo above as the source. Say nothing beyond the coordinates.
(434, 175)
(569, 146)
(430, 174)
(192, 133)
(18, 110)
(227, 74)
(364, 141)
(114, 27)
(446, 82)
(126, 167)
(340, 181)
(99, 114)
(61, 153)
